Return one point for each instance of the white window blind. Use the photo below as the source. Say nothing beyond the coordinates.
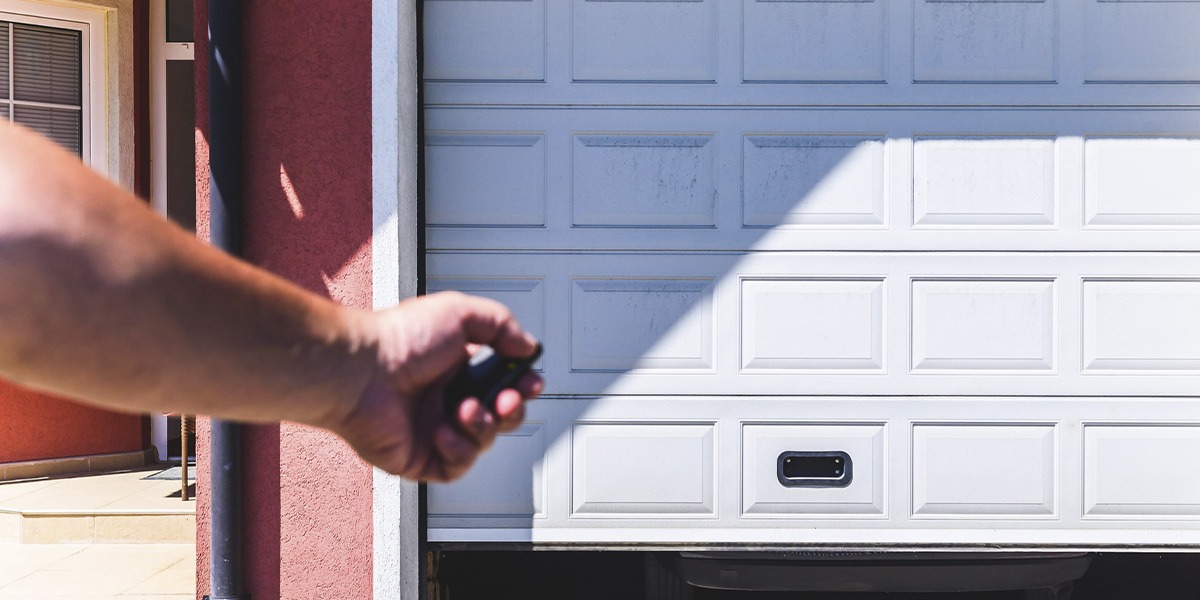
(41, 76)
(4, 66)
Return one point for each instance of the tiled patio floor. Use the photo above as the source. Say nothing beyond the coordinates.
(117, 507)
(97, 537)
(97, 571)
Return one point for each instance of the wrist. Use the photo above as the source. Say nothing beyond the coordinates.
(355, 365)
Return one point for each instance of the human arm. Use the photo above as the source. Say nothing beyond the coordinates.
(101, 299)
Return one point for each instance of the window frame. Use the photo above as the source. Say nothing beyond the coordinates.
(161, 51)
(91, 25)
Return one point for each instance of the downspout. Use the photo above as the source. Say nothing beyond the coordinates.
(225, 148)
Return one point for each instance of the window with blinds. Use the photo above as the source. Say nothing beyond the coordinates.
(41, 81)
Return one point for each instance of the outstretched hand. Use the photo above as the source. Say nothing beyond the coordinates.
(103, 300)
(399, 423)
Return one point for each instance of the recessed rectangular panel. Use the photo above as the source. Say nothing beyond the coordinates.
(1142, 41)
(812, 180)
(623, 324)
(764, 494)
(809, 324)
(969, 471)
(506, 481)
(526, 298)
(1142, 181)
(818, 41)
(485, 40)
(485, 179)
(644, 180)
(661, 469)
(1141, 471)
(983, 181)
(973, 325)
(980, 41)
(644, 40)
(1141, 325)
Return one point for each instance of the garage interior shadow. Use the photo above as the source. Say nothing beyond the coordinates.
(480, 575)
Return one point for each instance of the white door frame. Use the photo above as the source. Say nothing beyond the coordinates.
(161, 51)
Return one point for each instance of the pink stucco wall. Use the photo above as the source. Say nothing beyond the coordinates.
(307, 100)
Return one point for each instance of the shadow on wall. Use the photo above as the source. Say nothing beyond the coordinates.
(307, 169)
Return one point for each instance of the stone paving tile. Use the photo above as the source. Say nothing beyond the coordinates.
(15, 489)
(155, 557)
(59, 597)
(17, 560)
(168, 581)
(155, 597)
(100, 582)
(88, 492)
(97, 572)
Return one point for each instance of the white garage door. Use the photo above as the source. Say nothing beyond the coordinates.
(950, 242)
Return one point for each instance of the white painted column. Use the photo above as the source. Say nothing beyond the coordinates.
(394, 118)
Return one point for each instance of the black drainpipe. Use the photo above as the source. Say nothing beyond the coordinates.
(225, 161)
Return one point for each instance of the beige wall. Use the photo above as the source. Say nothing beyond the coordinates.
(120, 82)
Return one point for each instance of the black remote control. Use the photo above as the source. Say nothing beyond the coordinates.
(484, 376)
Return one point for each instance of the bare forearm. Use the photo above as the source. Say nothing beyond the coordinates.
(103, 300)
(99, 298)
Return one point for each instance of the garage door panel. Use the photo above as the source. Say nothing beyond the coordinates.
(506, 185)
(812, 179)
(985, 181)
(1118, 49)
(805, 324)
(485, 40)
(855, 323)
(643, 324)
(984, 325)
(1084, 471)
(653, 468)
(812, 52)
(963, 471)
(488, 489)
(644, 40)
(951, 242)
(1138, 471)
(1142, 181)
(864, 496)
(525, 297)
(985, 40)
(1141, 325)
(644, 180)
(815, 41)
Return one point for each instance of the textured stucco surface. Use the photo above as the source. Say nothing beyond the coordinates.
(36, 426)
(120, 84)
(307, 94)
